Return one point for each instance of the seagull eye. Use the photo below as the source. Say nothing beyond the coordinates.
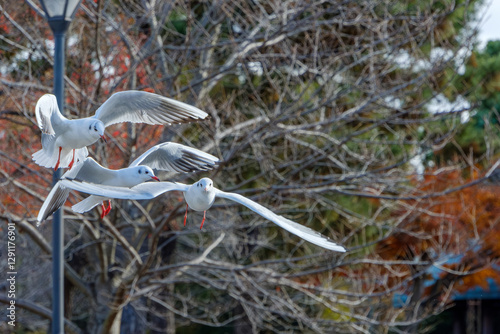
(146, 172)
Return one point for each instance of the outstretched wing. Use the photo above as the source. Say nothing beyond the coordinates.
(56, 198)
(142, 107)
(89, 171)
(299, 230)
(48, 115)
(146, 190)
(175, 157)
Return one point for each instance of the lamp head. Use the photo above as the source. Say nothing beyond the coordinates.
(60, 13)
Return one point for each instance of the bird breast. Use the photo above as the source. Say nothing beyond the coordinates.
(76, 135)
(199, 200)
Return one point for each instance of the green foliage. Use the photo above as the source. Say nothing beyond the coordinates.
(481, 85)
(481, 80)
(360, 205)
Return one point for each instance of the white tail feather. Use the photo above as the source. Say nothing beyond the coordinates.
(87, 204)
(43, 158)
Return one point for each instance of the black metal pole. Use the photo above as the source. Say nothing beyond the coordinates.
(58, 220)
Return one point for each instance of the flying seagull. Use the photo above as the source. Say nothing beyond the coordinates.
(62, 136)
(167, 156)
(200, 196)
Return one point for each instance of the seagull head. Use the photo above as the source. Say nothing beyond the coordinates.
(145, 173)
(96, 130)
(205, 184)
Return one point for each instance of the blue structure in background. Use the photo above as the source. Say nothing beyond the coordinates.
(476, 310)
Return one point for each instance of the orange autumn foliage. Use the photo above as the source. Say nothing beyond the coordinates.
(478, 279)
(463, 225)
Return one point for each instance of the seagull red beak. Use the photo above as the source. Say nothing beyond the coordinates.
(155, 178)
(104, 138)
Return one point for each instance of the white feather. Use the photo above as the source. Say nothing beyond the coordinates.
(88, 204)
(200, 195)
(162, 157)
(128, 106)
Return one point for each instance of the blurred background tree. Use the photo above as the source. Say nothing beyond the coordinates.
(329, 112)
(480, 84)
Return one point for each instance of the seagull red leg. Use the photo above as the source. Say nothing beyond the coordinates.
(103, 207)
(58, 159)
(204, 213)
(109, 208)
(72, 160)
(186, 214)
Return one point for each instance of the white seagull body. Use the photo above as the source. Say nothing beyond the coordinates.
(166, 156)
(62, 136)
(200, 196)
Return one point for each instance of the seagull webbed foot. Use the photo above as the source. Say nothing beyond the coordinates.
(105, 210)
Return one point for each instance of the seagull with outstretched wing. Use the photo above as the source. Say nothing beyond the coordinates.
(65, 141)
(167, 156)
(200, 196)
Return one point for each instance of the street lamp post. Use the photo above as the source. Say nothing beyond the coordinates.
(59, 14)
